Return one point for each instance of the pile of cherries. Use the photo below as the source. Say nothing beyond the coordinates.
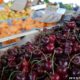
(55, 55)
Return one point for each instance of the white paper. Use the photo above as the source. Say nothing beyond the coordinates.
(61, 11)
(37, 7)
(19, 5)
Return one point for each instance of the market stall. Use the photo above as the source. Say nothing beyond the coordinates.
(39, 41)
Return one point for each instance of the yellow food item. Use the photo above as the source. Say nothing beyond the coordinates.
(8, 14)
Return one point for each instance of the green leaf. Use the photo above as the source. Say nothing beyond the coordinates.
(47, 1)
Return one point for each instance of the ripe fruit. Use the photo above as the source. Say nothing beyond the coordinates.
(25, 66)
(50, 47)
(59, 50)
(48, 65)
(52, 38)
(33, 76)
(61, 71)
(63, 63)
(45, 40)
(53, 51)
(71, 24)
(55, 76)
(76, 60)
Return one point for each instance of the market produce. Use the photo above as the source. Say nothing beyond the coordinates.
(1, 1)
(17, 26)
(54, 55)
(6, 13)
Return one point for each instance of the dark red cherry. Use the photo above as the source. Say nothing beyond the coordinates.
(61, 71)
(71, 24)
(55, 76)
(64, 77)
(52, 38)
(73, 38)
(33, 76)
(25, 62)
(59, 50)
(75, 72)
(21, 76)
(25, 66)
(11, 61)
(63, 63)
(68, 50)
(48, 65)
(11, 58)
(45, 40)
(50, 47)
(76, 60)
(78, 17)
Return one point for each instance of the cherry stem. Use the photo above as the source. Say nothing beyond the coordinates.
(30, 57)
(72, 59)
(43, 54)
(68, 33)
(53, 61)
(38, 61)
(10, 77)
(3, 71)
(76, 36)
(43, 75)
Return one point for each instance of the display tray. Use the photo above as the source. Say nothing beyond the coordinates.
(28, 37)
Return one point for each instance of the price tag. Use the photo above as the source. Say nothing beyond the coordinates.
(61, 11)
(19, 5)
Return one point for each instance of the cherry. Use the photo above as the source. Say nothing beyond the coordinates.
(50, 47)
(75, 71)
(29, 47)
(73, 38)
(76, 60)
(71, 24)
(21, 76)
(79, 48)
(33, 76)
(55, 76)
(11, 61)
(25, 66)
(68, 50)
(61, 71)
(52, 38)
(59, 50)
(63, 63)
(75, 47)
(34, 60)
(48, 65)
(11, 58)
(45, 40)
(78, 17)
